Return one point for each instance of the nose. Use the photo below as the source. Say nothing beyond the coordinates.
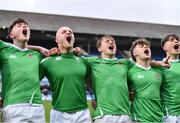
(175, 40)
(68, 32)
(111, 42)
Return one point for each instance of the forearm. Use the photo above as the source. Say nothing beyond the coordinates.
(155, 63)
(40, 49)
(36, 48)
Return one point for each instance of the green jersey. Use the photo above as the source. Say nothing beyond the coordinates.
(146, 84)
(66, 74)
(170, 91)
(20, 75)
(109, 79)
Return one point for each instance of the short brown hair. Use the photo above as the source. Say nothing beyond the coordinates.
(166, 38)
(141, 41)
(98, 44)
(18, 20)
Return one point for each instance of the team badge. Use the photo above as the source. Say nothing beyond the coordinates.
(30, 55)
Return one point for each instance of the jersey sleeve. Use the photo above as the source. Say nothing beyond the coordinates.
(128, 62)
(3, 44)
(86, 62)
(130, 87)
(42, 69)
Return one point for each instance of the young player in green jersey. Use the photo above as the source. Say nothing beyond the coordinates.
(67, 76)
(20, 77)
(145, 82)
(109, 80)
(170, 93)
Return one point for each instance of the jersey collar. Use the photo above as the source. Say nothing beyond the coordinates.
(175, 60)
(25, 49)
(109, 59)
(143, 67)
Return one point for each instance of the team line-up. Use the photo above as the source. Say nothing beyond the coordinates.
(136, 90)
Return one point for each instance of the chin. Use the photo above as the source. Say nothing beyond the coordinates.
(69, 47)
(175, 53)
(147, 58)
(24, 40)
(111, 53)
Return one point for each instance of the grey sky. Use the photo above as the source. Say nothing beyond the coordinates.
(151, 11)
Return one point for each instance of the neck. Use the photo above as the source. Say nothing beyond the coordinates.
(65, 50)
(107, 56)
(144, 63)
(20, 44)
(172, 57)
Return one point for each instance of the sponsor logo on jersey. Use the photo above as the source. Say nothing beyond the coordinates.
(158, 76)
(77, 59)
(12, 56)
(58, 58)
(140, 76)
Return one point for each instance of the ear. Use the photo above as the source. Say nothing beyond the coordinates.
(99, 49)
(135, 53)
(164, 47)
(11, 36)
(57, 41)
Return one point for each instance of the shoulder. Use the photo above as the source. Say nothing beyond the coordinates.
(134, 69)
(90, 58)
(129, 62)
(125, 61)
(159, 69)
(49, 59)
(36, 53)
(4, 44)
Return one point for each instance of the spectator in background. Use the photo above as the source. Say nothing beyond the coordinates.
(46, 92)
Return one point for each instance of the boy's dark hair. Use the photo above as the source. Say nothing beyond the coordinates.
(18, 20)
(141, 41)
(166, 38)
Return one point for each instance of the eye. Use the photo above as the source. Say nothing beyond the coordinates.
(63, 32)
(112, 41)
(107, 41)
(70, 31)
(171, 39)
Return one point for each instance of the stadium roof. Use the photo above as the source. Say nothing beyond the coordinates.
(49, 22)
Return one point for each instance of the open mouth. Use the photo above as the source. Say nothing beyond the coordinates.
(24, 31)
(176, 46)
(111, 47)
(146, 51)
(68, 39)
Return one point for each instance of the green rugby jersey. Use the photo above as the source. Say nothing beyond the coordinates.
(66, 74)
(109, 79)
(170, 91)
(146, 84)
(20, 75)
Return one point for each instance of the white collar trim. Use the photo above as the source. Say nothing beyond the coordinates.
(19, 48)
(109, 59)
(143, 67)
